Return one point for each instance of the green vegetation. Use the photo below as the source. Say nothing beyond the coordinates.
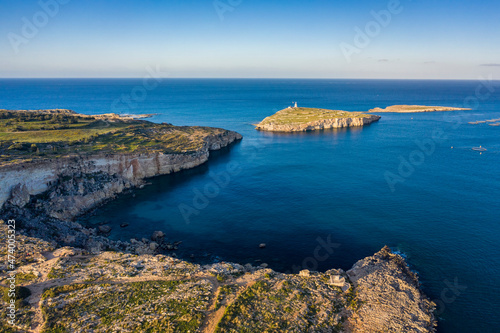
(293, 116)
(153, 306)
(275, 305)
(27, 135)
(224, 292)
(20, 293)
(25, 277)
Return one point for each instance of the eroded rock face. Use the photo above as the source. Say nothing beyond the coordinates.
(390, 298)
(75, 184)
(19, 196)
(319, 125)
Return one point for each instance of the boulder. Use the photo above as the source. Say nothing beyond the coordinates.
(305, 273)
(19, 196)
(157, 235)
(67, 252)
(104, 229)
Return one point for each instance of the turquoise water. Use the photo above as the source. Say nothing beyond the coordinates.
(297, 191)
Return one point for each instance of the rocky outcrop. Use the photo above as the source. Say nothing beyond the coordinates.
(19, 196)
(390, 297)
(319, 125)
(379, 294)
(77, 183)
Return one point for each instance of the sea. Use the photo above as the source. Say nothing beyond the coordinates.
(318, 200)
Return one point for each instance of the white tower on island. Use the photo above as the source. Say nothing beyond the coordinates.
(295, 104)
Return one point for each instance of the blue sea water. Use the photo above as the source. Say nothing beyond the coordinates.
(296, 192)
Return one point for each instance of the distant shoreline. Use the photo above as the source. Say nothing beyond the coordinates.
(416, 109)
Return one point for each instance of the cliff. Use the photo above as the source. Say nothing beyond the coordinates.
(310, 119)
(73, 291)
(77, 176)
(385, 286)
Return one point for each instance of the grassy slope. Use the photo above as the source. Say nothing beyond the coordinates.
(306, 115)
(31, 135)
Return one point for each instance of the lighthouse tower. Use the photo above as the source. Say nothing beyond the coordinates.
(295, 106)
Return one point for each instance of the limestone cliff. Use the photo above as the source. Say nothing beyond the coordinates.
(310, 119)
(319, 124)
(79, 182)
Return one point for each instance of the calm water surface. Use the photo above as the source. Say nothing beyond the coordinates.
(295, 191)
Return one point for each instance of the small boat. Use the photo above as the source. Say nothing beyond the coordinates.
(123, 225)
(480, 148)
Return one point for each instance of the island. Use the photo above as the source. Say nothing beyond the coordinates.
(416, 109)
(300, 119)
(57, 164)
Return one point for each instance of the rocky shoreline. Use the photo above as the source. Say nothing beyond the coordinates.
(320, 124)
(311, 119)
(70, 289)
(78, 183)
(46, 195)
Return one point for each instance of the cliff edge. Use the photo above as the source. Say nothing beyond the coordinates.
(70, 290)
(81, 161)
(295, 119)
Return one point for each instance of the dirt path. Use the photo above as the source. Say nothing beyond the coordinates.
(37, 289)
(214, 316)
(209, 325)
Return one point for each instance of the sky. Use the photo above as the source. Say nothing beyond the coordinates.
(390, 39)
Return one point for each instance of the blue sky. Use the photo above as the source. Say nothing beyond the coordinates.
(252, 38)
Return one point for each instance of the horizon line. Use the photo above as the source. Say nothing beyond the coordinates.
(231, 78)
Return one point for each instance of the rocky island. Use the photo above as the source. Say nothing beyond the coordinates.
(56, 164)
(416, 109)
(298, 119)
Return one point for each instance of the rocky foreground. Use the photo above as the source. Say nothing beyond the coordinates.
(416, 109)
(310, 119)
(71, 290)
